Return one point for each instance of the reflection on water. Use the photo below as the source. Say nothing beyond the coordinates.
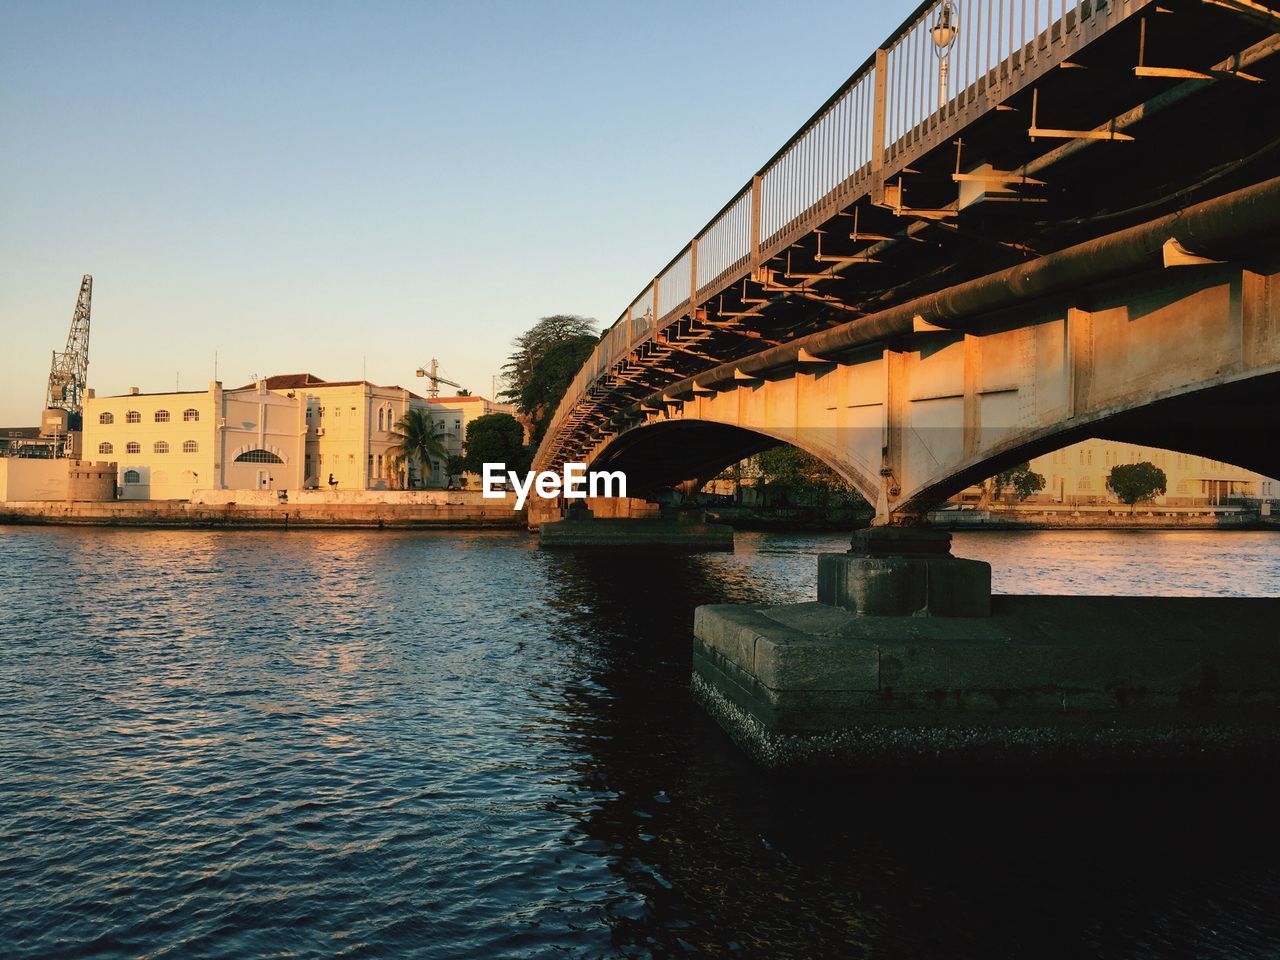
(373, 744)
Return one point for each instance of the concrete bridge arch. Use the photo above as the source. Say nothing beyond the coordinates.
(1186, 359)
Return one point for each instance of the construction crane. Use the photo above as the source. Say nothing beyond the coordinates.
(68, 373)
(434, 379)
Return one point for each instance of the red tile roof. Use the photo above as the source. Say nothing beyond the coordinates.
(290, 381)
(299, 381)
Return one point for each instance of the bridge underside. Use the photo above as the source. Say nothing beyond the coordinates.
(1234, 423)
(1185, 358)
(1080, 243)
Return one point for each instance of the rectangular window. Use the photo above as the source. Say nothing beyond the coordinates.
(371, 473)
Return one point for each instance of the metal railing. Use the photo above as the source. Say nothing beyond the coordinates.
(948, 64)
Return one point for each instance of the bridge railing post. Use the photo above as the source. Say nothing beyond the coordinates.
(693, 275)
(880, 96)
(755, 223)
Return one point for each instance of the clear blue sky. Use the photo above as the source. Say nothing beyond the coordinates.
(313, 186)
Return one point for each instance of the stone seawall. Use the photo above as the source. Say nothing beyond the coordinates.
(180, 513)
(1099, 520)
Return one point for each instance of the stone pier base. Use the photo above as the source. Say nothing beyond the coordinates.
(687, 532)
(1042, 684)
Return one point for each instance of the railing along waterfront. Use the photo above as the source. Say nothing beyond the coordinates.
(912, 94)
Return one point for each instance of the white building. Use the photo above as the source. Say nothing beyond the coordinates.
(1077, 475)
(286, 432)
(452, 416)
(168, 444)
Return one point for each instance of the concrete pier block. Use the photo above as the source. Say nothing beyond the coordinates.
(904, 572)
(685, 534)
(1045, 684)
(905, 586)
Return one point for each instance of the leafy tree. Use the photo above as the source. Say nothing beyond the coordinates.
(1132, 482)
(791, 474)
(454, 466)
(495, 438)
(534, 342)
(1021, 479)
(552, 375)
(416, 441)
(544, 362)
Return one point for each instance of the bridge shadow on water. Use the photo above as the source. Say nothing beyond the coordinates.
(723, 859)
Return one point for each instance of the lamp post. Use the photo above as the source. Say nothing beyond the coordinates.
(944, 37)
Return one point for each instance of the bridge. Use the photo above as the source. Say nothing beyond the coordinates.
(1018, 224)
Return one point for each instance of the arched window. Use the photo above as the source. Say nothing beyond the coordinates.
(190, 414)
(190, 446)
(258, 456)
(133, 446)
(106, 418)
(104, 448)
(161, 446)
(132, 476)
(381, 415)
(162, 416)
(133, 416)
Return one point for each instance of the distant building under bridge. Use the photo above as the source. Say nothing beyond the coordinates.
(1077, 475)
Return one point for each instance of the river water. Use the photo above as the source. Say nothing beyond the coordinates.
(244, 744)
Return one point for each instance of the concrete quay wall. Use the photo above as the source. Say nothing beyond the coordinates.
(180, 513)
(335, 497)
(1206, 518)
(651, 533)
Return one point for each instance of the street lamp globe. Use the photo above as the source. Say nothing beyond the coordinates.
(945, 30)
(944, 36)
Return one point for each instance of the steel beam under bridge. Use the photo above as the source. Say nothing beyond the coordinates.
(1104, 340)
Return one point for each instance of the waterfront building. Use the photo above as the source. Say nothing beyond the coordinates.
(1077, 476)
(23, 442)
(452, 415)
(284, 432)
(348, 429)
(168, 444)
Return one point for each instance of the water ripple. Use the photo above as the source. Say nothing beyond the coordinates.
(379, 744)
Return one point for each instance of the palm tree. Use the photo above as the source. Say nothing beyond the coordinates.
(416, 440)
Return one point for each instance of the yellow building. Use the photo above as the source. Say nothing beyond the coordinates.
(1077, 475)
(452, 415)
(287, 432)
(348, 428)
(168, 444)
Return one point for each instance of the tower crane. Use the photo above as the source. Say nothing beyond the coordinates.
(432, 373)
(68, 374)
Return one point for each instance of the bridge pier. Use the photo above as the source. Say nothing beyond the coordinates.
(610, 523)
(908, 663)
(904, 571)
